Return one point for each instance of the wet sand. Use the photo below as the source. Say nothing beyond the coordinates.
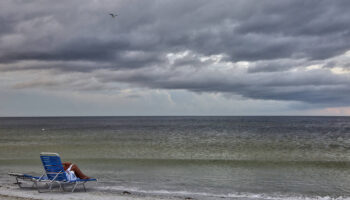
(11, 192)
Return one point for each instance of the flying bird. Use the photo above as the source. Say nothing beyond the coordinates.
(113, 15)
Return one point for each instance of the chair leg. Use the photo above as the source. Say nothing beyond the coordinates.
(75, 185)
(18, 183)
(50, 185)
(84, 187)
(37, 187)
(59, 189)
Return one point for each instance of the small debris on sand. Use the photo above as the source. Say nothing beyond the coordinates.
(126, 192)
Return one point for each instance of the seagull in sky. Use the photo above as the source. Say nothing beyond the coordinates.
(113, 15)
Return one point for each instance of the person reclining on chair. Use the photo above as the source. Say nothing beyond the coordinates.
(75, 169)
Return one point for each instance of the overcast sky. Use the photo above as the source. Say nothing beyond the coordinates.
(162, 57)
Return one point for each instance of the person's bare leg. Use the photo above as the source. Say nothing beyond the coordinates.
(78, 172)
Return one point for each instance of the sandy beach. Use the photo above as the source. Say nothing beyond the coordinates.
(11, 192)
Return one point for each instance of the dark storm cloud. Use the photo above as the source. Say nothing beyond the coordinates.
(275, 65)
(314, 86)
(276, 38)
(243, 30)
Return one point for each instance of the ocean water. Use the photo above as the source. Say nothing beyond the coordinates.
(201, 157)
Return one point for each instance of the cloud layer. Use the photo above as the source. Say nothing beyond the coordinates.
(290, 50)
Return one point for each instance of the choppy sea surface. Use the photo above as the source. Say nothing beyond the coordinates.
(201, 157)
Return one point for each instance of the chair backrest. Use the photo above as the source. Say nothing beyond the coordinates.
(53, 166)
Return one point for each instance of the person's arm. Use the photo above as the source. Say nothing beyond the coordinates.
(66, 165)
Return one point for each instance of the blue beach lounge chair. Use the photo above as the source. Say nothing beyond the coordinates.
(55, 173)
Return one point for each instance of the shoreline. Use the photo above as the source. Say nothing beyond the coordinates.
(10, 192)
(8, 197)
